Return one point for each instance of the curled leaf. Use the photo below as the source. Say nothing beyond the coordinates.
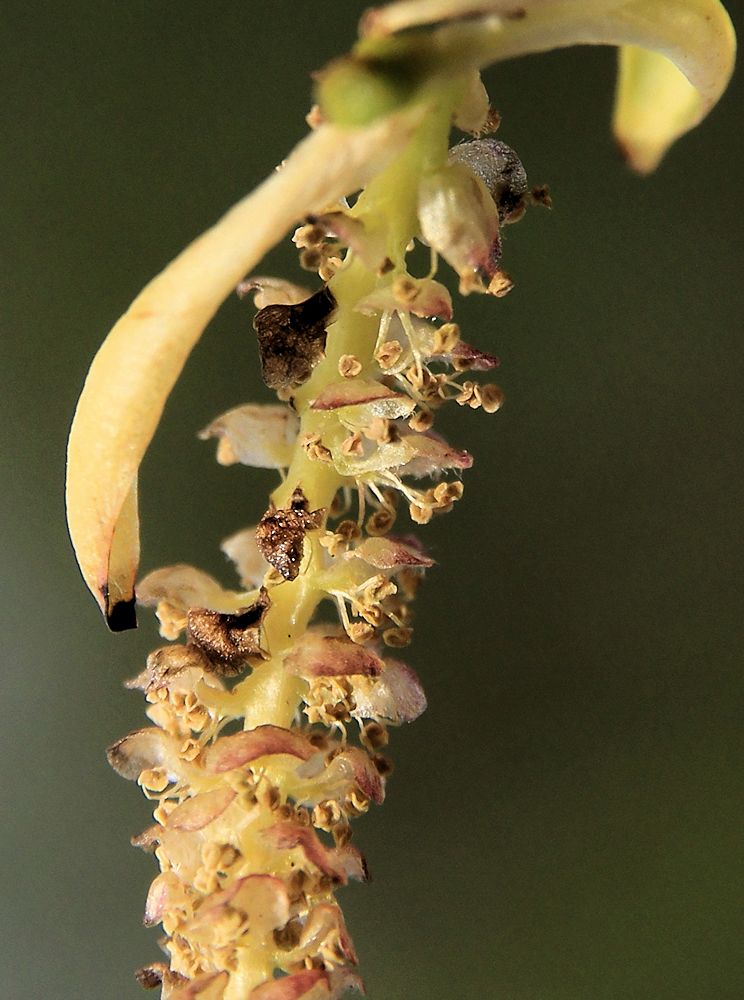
(654, 105)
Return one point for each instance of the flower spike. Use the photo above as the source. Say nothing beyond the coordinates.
(268, 722)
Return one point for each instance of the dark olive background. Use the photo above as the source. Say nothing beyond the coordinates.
(562, 824)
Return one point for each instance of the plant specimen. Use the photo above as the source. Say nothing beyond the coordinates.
(271, 704)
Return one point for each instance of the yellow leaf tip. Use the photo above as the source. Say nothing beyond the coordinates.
(642, 160)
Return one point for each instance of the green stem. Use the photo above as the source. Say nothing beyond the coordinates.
(270, 694)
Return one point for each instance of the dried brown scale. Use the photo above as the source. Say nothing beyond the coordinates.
(150, 977)
(280, 534)
(230, 640)
(292, 338)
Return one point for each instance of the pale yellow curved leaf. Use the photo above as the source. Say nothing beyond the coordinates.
(654, 105)
(140, 360)
(695, 38)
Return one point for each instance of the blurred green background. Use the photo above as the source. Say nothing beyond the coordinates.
(563, 821)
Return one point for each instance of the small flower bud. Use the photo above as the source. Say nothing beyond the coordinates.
(355, 91)
(459, 219)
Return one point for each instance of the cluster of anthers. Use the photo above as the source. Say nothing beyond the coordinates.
(252, 822)
(270, 716)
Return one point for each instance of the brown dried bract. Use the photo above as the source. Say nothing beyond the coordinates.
(150, 977)
(148, 840)
(281, 534)
(291, 339)
(230, 640)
